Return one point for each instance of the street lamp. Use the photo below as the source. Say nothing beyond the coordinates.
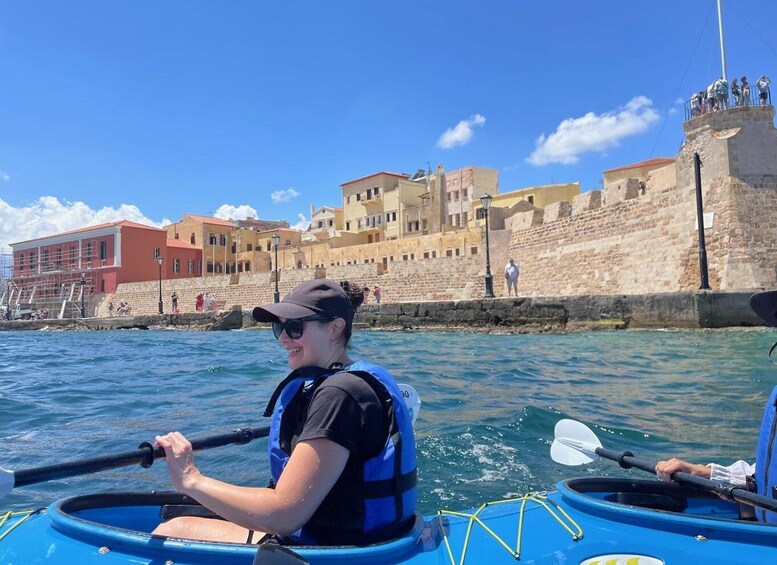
(276, 239)
(159, 260)
(486, 201)
(83, 287)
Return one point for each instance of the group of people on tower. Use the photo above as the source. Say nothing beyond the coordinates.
(716, 96)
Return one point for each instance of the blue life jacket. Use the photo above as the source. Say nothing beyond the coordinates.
(378, 507)
(766, 459)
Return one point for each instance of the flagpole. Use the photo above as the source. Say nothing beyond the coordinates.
(722, 45)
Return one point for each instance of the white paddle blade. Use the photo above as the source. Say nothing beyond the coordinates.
(412, 401)
(574, 443)
(6, 482)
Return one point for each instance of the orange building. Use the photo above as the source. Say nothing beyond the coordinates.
(55, 270)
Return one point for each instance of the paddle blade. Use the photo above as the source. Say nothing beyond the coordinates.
(412, 401)
(6, 482)
(574, 443)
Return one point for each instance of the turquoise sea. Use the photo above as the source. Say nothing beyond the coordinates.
(489, 401)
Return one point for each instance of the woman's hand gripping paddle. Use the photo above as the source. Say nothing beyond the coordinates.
(575, 443)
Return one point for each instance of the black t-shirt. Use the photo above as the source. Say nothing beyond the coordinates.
(344, 409)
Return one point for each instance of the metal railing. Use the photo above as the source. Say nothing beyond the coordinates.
(697, 106)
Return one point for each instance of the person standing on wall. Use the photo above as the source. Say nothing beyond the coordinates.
(174, 299)
(511, 276)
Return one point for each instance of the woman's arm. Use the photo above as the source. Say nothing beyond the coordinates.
(312, 470)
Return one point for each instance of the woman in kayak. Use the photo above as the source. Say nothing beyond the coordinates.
(761, 477)
(341, 445)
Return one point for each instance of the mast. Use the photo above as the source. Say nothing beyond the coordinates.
(722, 45)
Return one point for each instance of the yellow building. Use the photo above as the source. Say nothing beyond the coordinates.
(212, 235)
(372, 205)
(537, 196)
(635, 171)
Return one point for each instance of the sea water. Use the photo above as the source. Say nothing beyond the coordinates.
(489, 402)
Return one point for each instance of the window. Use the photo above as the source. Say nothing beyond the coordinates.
(458, 252)
(376, 190)
(234, 248)
(347, 226)
(369, 194)
(412, 256)
(248, 266)
(434, 254)
(450, 197)
(531, 199)
(449, 252)
(455, 194)
(45, 257)
(103, 250)
(176, 265)
(426, 254)
(211, 240)
(176, 236)
(191, 266)
(192, 239)
(269, 246)
(250, 247)
(320, 224)
(358, 196)
(287, 242)
(423, 224)
(347, 199)
(464, 218)
(463, 193)
(89, 251)
(404, 256)
(473, 250)
(156, 252)
(359, 224)
(222, 240)
(331, 223)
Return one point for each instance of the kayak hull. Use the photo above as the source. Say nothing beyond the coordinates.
(585, 521)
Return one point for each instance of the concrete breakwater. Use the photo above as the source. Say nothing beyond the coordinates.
(520, 314)
(669, 310)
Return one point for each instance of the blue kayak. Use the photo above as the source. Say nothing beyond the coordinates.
(586, 521)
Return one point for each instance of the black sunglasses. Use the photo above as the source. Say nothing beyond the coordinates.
(294, 326)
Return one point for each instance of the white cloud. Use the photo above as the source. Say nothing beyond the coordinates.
(4, 176)
(284, 195)
(461, 134)
(302, 223)
(592, 132)
(47, 215)
(229, 212)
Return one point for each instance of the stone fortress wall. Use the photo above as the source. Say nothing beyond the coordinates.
(637, 236)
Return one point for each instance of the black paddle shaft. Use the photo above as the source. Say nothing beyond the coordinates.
(144, 455)
(627, 460)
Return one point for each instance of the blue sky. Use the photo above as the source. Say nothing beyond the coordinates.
(148, 110)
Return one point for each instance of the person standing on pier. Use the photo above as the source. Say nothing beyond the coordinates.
(511, 276)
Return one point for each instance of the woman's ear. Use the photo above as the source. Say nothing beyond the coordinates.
(337, 327)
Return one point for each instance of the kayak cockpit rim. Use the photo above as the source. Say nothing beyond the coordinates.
(93, 518)
(659, 505)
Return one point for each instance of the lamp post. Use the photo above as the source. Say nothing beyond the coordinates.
(486, 201)
(83, 289)
(159, 260)
(276, 239)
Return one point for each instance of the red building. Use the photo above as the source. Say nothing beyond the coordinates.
(50, 270)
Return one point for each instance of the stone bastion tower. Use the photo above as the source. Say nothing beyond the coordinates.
(738, 151)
